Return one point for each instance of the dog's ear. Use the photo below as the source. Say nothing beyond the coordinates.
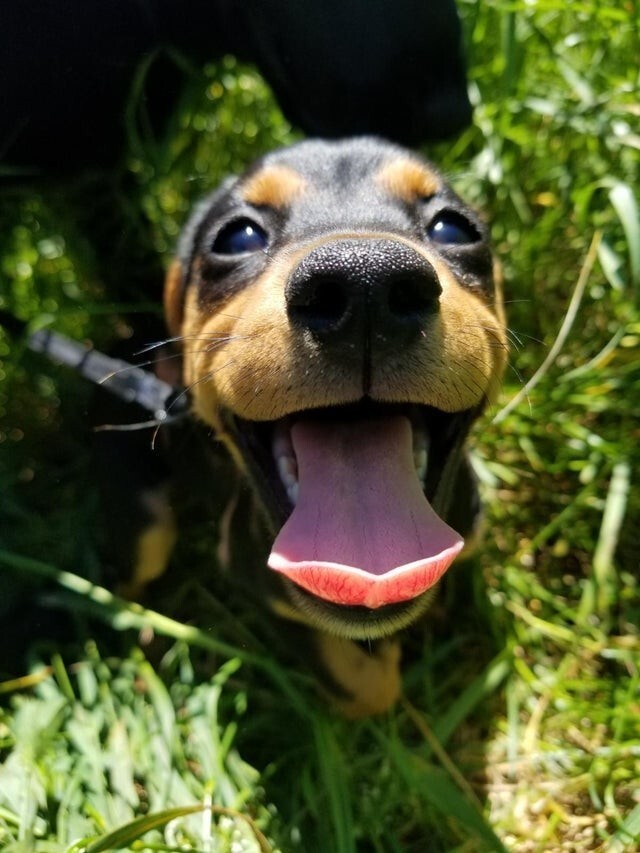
(179, 271)
(174, 298)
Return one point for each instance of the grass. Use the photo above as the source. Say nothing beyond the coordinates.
(520, 726)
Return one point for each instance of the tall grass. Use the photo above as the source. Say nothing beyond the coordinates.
(520, 723)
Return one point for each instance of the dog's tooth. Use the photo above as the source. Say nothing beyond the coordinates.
(284, 456)
(292, 492)
(420, 463)
(420, 452)
(420, 440)
(282, 445)
(288, 470)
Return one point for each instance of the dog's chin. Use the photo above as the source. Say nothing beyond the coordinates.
(355, 622)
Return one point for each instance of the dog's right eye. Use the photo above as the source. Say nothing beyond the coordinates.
(239, 237)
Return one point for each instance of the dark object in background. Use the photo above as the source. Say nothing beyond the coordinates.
(337, 67)
(343, 67)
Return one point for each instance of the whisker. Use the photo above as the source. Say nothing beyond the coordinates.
(180, 396)
(140, 425)
(524, 335)
(205, 378)
(175, 340)
(213, 343)
(230, 316)
(230, 339)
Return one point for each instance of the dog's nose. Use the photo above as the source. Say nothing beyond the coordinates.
(349, 290)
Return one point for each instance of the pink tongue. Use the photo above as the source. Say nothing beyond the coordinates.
(362, 531)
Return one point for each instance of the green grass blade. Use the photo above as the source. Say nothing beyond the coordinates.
(481, 687)
(626, 207)
(563, 333)
(125, 835)
(612, 518)
(629, 831)
(333, 775)
(124, 615)
(434, 786)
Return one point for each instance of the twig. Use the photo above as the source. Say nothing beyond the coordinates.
(567, 323)
(440, 753)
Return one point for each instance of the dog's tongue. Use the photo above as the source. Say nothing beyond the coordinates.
(362, 531)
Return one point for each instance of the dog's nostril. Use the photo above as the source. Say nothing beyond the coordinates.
(412, 296)
(321, 305)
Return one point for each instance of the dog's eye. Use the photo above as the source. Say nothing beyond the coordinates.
(451, 229)
(239, 237)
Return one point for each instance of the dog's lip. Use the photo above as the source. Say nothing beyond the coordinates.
(349, 585)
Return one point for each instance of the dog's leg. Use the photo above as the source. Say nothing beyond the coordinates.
(368, 677)
(153, 546)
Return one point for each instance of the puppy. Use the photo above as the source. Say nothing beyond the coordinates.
(342, 328)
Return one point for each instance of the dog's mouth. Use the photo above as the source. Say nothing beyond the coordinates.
(357, 493)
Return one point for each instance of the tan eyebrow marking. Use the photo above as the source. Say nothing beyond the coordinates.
(408, 180)
(274, 186)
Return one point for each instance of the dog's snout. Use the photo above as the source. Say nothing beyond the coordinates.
(347, 289)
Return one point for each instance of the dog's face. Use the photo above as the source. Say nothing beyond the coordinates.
(341, 329)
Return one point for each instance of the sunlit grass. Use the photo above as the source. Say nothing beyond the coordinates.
(520, 724)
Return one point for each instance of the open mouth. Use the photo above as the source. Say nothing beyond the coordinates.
(357, 493)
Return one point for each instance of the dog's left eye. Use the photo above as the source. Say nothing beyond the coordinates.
(239, 237)
(452, 229)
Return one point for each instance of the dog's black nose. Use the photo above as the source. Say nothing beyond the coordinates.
(351, 290)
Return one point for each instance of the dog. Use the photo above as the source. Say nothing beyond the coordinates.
(341, 324)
